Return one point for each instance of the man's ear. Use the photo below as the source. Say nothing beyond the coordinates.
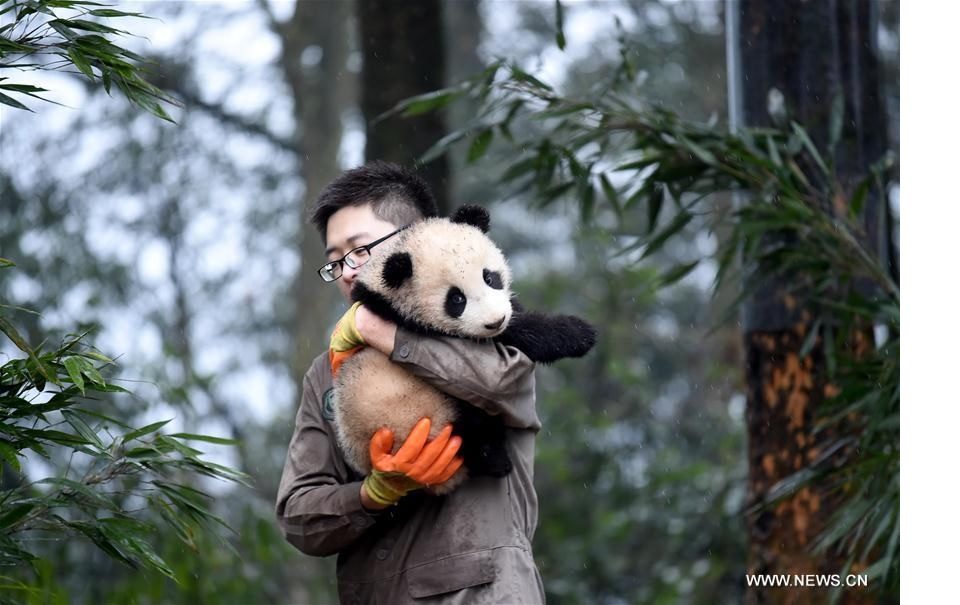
(397, 269)
(476, 216)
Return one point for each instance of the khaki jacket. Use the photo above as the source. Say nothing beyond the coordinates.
(471, 546)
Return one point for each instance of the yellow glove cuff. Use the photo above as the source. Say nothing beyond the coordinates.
(388, 488)
(346, 336)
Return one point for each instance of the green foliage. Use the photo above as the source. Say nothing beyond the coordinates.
(121, 485)
(628, 165)
(41, 36)
(251, 570)
(621, 466)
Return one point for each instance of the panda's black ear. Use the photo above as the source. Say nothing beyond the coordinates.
(397, 269)
(473, 215)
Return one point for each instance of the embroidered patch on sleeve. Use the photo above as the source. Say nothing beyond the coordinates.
(328, 405)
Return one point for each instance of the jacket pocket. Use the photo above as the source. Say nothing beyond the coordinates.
(451, 573)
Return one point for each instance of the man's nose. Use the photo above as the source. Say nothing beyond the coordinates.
(349, 273)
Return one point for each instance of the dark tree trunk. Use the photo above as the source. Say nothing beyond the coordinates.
(403, 56)
(812, 53)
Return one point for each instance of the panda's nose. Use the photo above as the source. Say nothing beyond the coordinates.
(495, 324)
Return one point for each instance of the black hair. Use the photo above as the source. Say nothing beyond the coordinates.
(395, 194)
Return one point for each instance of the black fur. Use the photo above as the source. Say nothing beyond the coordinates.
(377, 303)
(484, 447)
(547, 338)
(455, 303)
(476, 216)
(382, 307)
(397, 269)
(493, 279)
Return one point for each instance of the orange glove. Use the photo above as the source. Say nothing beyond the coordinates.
(416, 464)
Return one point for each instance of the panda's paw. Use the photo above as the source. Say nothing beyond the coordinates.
(548, 338)
(581, 336)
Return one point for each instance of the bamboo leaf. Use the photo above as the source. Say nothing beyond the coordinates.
(587, 193)
(520, 168)
(14, 336)
(109, 12)
(7, 328)
(15, 513)
(90, 26)
(858, 198)
(810, 340)
(74, 369)
(9, 454)
(677, 273)
(108, 419)
(150, 428)
(83, 429)
(638, 164)
(522, 76)
(95, 534)
(562, 110)
(91, 373)
(555, 191)
(59, 437)
(773, 152)
(24, 88)
(676, 225)
(81, 62)
(70, 488)
(479, 145)
(703, 154)
(811, 148)
(206, 438)
(6, 100)
(441, 146)
(654, 205)
(422, 104)
(612, 196)
(558, 24)
(96, 356)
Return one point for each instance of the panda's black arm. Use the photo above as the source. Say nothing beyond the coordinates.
(546, 338)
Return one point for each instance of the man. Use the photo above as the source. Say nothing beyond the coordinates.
(398, 544)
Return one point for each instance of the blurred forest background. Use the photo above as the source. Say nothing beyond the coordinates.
(183, 249)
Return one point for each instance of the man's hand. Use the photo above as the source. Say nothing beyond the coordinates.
(416, 464)
(376, 332)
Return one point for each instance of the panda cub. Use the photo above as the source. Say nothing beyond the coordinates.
(441, 276)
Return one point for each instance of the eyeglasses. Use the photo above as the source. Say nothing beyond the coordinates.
(354, 259)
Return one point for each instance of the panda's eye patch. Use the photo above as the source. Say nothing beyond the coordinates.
(456, 302)
(493, 279)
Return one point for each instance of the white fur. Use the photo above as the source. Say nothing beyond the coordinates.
(372, 392)
(446, 254)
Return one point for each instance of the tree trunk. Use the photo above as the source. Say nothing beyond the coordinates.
(812, 53)
(463, 32)
(403, 56)
(315, 47)
(314, 58)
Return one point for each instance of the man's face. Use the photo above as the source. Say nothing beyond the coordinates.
(348, 228)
